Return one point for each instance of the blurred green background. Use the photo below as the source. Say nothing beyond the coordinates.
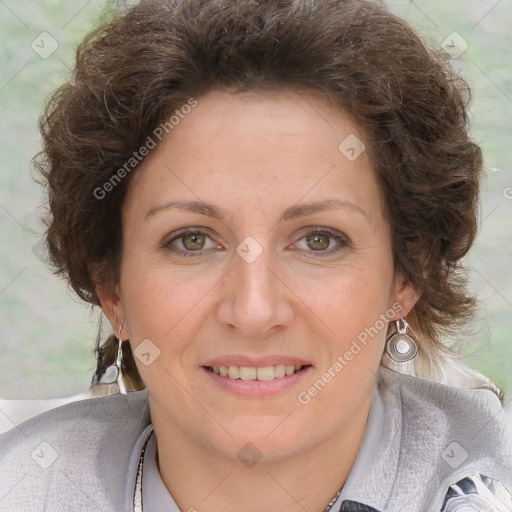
(47, 336)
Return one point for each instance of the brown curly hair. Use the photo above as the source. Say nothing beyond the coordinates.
(146, 61)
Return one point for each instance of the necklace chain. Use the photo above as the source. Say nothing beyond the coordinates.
(137, 493)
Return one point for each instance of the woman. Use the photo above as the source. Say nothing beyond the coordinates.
(269, 201)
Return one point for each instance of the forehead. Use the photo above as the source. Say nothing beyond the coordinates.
(246, 147)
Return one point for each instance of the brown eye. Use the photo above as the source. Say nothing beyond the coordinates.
(322, 241)
(318, 242)
(193, 241)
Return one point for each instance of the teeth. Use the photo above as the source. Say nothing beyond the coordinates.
(279, 371)
(234, 372)
(265, 373)
(256, 373)
(247, 372)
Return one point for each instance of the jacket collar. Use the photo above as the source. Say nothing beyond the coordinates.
(352, 506)
(422, 437)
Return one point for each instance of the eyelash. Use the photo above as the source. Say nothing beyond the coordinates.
(343, 241)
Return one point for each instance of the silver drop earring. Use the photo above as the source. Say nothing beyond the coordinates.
(119, 366)
(400, 347)
(114, 373)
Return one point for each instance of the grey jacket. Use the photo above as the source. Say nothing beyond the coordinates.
(441, 448)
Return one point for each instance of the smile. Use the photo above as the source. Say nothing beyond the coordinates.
(256, 372)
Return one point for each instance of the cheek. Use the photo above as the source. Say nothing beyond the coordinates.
(356, 310)
(350, 299)
(162, 307)
(156, 299)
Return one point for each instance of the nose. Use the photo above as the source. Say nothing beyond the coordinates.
(255, 299)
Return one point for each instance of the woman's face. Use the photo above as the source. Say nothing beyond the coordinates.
(254, 239)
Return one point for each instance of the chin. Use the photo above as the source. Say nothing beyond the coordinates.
(265, 438)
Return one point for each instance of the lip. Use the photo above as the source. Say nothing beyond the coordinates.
(257, 388)
(259, 361)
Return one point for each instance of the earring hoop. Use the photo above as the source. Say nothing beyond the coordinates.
(400, 346)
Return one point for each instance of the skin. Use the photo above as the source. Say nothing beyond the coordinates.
(254, 155)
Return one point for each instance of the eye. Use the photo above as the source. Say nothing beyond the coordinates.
(322, 241)
(190, 240)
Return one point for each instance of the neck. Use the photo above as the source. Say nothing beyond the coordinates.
(200, 478)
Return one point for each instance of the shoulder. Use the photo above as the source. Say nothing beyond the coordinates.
(475, 414)
(60, 458)
(457, 440)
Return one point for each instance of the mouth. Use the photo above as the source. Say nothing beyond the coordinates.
(260, 373)
(256, 375)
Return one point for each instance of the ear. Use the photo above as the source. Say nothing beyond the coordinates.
(112, 307)
(405, 296)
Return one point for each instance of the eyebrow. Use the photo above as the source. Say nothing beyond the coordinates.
(290, 213)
